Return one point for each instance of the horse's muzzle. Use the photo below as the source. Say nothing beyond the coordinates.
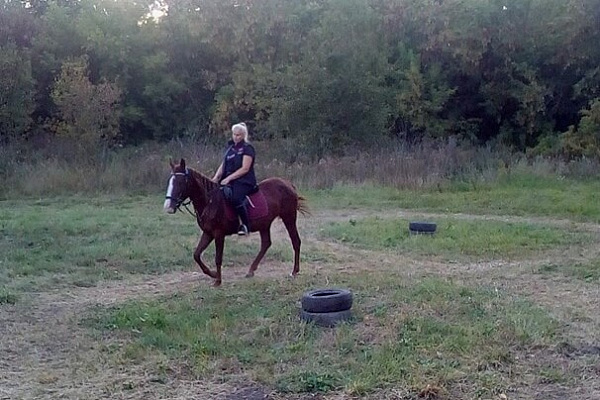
(168, 207)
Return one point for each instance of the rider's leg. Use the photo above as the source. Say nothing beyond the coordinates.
(239, 202)
(243, 214)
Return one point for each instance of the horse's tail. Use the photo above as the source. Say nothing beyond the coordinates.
(301, 202)
(290, 191)
(302, 206)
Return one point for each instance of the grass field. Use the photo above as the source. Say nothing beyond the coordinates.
(100, 298)
(519, 194)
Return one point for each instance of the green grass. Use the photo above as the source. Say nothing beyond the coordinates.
(7, 296)
(454, 238)
(405, 335)
(519, 194)
(80, 241)
(408, 332)
(587, 271)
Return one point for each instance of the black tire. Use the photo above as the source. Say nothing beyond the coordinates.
(327, 300)
(328, 319)
(422, 227)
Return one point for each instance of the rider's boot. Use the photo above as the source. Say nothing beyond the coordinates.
(243, 214)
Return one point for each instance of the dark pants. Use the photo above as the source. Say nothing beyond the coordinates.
(239, 191)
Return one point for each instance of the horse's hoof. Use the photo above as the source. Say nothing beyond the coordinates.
(249, 274)
(293, 274)
(216, 283)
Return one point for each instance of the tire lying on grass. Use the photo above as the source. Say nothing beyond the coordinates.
(327, 300)
(326, 307)
(427, 228)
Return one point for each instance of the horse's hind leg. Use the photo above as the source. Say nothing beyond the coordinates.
(290, 225)
(205, 241)
(265, 243)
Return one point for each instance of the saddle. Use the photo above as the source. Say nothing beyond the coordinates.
(256, 206)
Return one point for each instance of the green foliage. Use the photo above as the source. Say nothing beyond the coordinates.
(321, 74)
(126, 48)
(57, 41)
(16, 92)
(581, 141)
(421, 98)
(89, 113)
(584, 141)
(334, 95)
(7, 297)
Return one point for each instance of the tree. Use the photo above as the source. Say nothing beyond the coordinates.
(56, 40)
(584, 140)
(17, 29)
(421, 95)
(16, 92)
(89, 113)
(334, 95)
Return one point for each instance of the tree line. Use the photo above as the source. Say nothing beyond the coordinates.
(323, 73)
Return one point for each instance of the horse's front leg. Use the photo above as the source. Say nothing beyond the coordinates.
(205, 241)
(265, 243)
(219, 247)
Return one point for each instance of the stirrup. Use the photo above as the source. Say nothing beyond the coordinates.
(243, 230)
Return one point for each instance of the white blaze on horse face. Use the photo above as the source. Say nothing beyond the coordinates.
(167, 207)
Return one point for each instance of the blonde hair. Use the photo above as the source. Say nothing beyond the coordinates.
(241, 127)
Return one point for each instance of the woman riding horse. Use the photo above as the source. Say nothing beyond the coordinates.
(236, 173)
(276, 198)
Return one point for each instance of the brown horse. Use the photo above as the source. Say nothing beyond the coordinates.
(276, 198)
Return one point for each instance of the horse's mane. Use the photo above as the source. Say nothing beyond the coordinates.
(213, 200)
(203, 181)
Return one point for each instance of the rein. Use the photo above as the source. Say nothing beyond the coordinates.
(186, 204)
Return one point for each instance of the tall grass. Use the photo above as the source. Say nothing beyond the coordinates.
(62, 168)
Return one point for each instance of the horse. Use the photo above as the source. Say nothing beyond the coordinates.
(276, 197)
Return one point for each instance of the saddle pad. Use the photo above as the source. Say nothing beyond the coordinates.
(257, 207)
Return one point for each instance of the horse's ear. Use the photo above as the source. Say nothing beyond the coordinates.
(182, 163)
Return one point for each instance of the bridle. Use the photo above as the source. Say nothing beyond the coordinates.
(181, 201)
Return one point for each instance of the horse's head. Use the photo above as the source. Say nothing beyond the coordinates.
(178, 187)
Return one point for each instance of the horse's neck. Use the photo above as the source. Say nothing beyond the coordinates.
(204, 185)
